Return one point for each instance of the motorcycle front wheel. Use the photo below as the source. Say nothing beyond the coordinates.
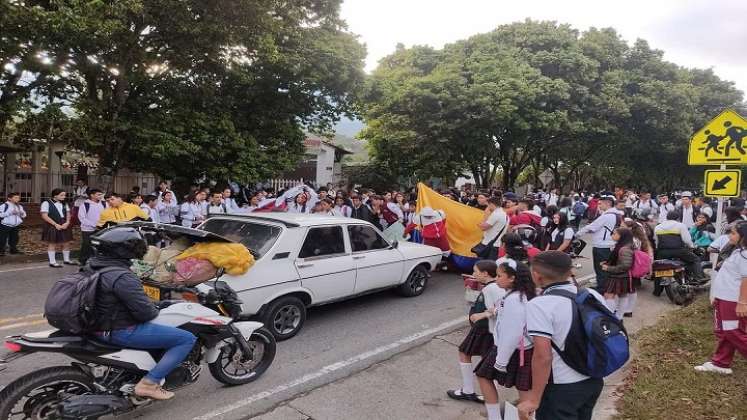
(36, 396)
(229, 368)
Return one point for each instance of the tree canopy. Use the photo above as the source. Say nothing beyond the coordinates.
(183, 88)
(535, 95)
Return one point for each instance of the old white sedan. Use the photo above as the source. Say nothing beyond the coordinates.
(308, 260)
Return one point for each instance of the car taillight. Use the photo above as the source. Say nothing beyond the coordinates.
(14, 347)
(190, 297)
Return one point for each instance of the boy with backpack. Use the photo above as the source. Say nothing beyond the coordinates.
(577, 342)
(579, 211)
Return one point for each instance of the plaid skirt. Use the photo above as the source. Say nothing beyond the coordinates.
(54, 236)
(515, 375)
(477, 342)
(619, 286)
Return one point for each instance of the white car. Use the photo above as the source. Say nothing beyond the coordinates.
(309, 260)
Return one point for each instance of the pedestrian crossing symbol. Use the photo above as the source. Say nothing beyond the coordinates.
(721, 141)
(723, 183)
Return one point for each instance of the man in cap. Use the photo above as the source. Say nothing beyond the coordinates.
(688, 212)
(602, 243)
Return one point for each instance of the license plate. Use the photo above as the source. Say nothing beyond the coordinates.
(663, 273)
(153, 292)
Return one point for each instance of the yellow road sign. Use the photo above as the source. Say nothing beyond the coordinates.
(723, 183)
(720, 141)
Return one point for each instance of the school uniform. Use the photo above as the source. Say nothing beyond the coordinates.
(344, 210)
(12, 215)
(479, 339)
(509, 361)
(231, 206)
(602, 243)
(619, 281)
(88, 214)
(569, 395)
(167, 212)
(191, 214)
(58, 212)
(557, 237)
(730, 330)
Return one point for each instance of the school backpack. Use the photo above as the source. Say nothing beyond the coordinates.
(597, 343)
(641, 264)
(71, 301)
(476, 308)
(579, 209)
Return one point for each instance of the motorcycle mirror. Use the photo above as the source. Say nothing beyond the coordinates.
(219, 273)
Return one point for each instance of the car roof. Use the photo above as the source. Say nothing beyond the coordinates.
(297, 219)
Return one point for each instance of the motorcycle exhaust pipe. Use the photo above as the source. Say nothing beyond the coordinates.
(91, 407)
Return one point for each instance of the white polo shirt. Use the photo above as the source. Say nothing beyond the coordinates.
(729, 278)
(551, 316)
(497, 221)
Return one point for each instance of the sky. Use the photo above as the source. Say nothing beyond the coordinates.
(692, 33)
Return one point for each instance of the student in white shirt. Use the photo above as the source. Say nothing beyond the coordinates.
(12, 215)
(327, 208)
(231, 206)
(601, 241)
(151, 207)
(192, 211)
(571, 395)
(56, 231)
(89, 214)
(167, 207)
(494, 226)
(80, 194)
(341, 207)
(561, 235)
(664, 208)
(688, 212)
(479, 340)
(216, 205)
(729, 296)
(509, 362)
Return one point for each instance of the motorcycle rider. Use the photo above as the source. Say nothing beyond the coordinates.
(123, 310)
(673, 240)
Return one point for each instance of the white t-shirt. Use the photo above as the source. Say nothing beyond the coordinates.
(730, 277)
(687, 216)
(551, 316)
(567, 234)
(720, 242)
(493, 296)
(497, 221)
(45, 207)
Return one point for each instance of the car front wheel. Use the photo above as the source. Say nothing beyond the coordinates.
(285, 317)
(415, 283)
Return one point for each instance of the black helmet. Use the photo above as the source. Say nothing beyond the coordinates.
(120, 242)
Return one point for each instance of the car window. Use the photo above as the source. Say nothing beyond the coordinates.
(256, 236)
(365, 238)
(320, 241)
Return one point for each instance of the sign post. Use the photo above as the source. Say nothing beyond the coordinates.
(546, 177)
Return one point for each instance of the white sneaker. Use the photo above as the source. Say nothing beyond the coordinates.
(710, 367)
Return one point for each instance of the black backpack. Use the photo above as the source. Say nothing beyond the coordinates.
(70, 304)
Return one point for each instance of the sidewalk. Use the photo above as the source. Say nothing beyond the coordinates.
(413, 384)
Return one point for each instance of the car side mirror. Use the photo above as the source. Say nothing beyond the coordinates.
(395, 244)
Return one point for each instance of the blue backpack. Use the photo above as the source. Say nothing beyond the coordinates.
(597, 343)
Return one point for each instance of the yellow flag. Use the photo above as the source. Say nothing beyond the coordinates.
(461, 220)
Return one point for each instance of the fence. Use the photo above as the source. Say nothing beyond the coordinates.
(283, 184)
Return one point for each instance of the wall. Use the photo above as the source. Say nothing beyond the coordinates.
(325, 165)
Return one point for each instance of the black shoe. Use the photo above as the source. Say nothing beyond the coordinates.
(70, 263)
(628, 315)
(55, 265)
(457, 394)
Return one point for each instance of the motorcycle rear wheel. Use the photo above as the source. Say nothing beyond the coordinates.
(679, 294)
(229, 369)
(40, 389)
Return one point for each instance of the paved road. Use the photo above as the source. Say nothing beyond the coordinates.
(338, 340)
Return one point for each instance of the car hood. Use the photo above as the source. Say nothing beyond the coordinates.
(412, 249)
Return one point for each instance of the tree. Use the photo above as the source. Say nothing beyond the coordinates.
(203, 88)
(535, 95)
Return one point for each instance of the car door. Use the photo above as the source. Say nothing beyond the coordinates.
(325, 264)
(378, 263)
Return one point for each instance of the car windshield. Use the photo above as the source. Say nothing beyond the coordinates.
(257, 237)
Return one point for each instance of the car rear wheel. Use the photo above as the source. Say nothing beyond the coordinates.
(415, 283)
(285, 317)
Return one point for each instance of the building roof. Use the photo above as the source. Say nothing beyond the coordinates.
(315, 141)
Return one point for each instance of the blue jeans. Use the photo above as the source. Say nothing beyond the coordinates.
(148, 336)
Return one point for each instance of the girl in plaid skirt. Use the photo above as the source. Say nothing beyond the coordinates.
(509, 361)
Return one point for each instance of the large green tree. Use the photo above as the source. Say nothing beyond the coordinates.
(535, 95)
(187, 88)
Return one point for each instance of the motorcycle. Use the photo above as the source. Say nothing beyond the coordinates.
(102, 379)
(671, 277)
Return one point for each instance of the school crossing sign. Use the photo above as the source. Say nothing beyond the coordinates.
(723, 141)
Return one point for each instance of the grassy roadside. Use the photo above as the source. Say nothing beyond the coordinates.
(662, 383)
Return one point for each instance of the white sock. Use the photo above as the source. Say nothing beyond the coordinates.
(468, 380)
(622, 306)
(66, 256)
(632, 298)
(494, 411)
(52, 258)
